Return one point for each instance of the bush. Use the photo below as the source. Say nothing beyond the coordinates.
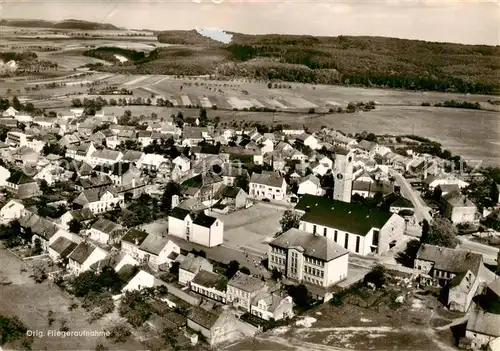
(376, 276)
(119, 333)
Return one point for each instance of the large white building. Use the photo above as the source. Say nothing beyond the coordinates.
(268, 185)
(196, 227)
(359, 229)
(310, 258)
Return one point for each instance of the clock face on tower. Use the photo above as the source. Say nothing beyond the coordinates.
(340, 176)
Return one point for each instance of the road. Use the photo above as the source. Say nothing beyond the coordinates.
(489, 253)
(421, 208)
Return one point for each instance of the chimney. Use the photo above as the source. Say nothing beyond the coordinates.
(136, 241)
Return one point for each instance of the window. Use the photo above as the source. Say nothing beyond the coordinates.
(358, 239)
(324, 231)
(346, 243)
(375, 237)
(314, 229)
(335, 235)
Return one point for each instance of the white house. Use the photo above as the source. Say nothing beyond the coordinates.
(210, 284)
(4, 175)
(61, 248)
(84, 255)
(182, 162)
(105, 157)
(11, 210)
(271, 306)
(309, 258)
(482, 328)
(310, 185)
(242, 288)
(359, 229)
(196, 227)
(156, 250)
(131, 242)
(150, 162)
(81, 215)
(81, 152)
(309, 140)
(10, 112)
(143, 280)
(191, 266)
(105, 231)
(268, 185)
(99, 200)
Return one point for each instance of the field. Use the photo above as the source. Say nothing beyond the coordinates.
(31, 302)
(365, 320)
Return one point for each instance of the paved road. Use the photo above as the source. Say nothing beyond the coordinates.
(421, 208)
(489, 253)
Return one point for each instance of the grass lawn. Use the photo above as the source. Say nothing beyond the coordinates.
(31, 303)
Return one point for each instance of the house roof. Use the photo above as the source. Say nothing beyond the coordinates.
(63, 246)
(349, 217)
(267, 178)
(179, 213)
(193, 132)
(39, 225)
(83, 214)
(402, 202)
(19, 178)
(135, 236)
(373, 187)
(456, 199)
(93, 195)
(203, 220)
(231, 191)
(272, 300)
(193, 263)
(463, 281)
(106, 154)
(246, 282)
(484, 323)
(495, 286)
(450, 260)
(127, 273)
(82, 252)
(132, 155)
(153, 244)
(366, 145)
(94, 182)
(106, 226)
(210, 280)
(312, 178)
(117, 169)
(312, 245)
(206, 319)
(112, 259)
(448, 188)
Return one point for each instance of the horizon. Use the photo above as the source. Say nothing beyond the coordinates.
(469, 22)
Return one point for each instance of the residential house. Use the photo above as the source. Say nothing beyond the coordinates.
(438, 265)
(447, 188)
(310, 185)
(308, 140)
(191, 266)
(132, 240)
(234, 198)
(433, 181)
(192, 136)
(243, 288)
(52, 173)
(482, 328)
(4, 175)
(11, 210)
(232, 171)
(105, 157)
(81, 152)
(115, 259)
(183, 163)
(458, 208)
(83, 256)
(272, 306)
(293, 129)
(99, 200)
(370, 189)
(196, 227)
(156, 250)
(150, 162)
(210, 284)
(461, 290)
(132, 156)
(268, 185)
(367, 147)
(309, 258)
(358, 228)
(77, 112)
(120, 173)
(61, 248)
(216, 327)
(83, 216)
(142, 280)
(401, 204)
(22, 186)
(92, 182)
(144, 137)
(106, 232)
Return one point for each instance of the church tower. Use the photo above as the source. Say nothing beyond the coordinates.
(342, 172)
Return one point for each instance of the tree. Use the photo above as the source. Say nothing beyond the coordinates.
(38, 247)
(134, 308)
(376, 276)
(171, 189)
(16, 103)
(436, 195)
(118, 333)
(11, 329)
(174, 269)
(441, 233)
(232, 268)
(300, 295)
(76, 103)
(371, 137)
(425, 231)
(269, 85)
(242, 182)
(289, 220)
(245, 270)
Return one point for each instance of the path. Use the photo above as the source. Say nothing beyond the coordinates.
(421, 208)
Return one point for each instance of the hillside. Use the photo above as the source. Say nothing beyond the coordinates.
(363, 61)
(66, 24)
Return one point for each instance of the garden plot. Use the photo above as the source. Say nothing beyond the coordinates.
(186, 101)
(204, 102)
(257, 103)
(274, 103)
(299, 102)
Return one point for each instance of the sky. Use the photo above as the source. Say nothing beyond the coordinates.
(458, 21)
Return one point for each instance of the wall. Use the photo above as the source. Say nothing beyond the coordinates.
(460, 301)
(462, 214)
(176, 227)
(98, 236)
(209, 237)
(97, 255)
(185, 277)
(211, 293)
(308, 188)
(392, 230)
(336, 270)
